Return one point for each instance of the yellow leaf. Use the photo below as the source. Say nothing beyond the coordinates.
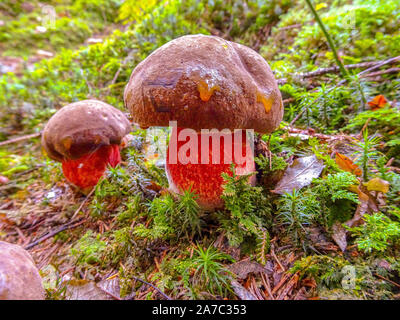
(377, 184)
(320, 6)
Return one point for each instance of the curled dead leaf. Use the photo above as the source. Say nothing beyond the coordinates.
(377, 102)
(346, 164)
(299, 174)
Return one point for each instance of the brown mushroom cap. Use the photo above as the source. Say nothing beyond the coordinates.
(204, 82)
(19, 277)
(82, 127)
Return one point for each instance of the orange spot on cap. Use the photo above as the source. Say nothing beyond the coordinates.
(205, 91)
(267, 102)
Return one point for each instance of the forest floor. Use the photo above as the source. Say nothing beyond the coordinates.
(337, 236)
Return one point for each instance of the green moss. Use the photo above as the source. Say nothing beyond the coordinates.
(88, 249)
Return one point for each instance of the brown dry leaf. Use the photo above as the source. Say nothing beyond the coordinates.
(339, 235)
(89, 290)
(377, 184)
(319, 240)
(367, 206)
(299, 174)
(242, 268)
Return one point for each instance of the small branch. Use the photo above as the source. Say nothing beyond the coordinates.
(335, 69)
(276, 259)
(109, 293)
(22, 138)
(382, 72)
(388, 61)
(67, 226)
(288, 101)
(153, 286)
(83, 202)
(124, 62)
(293, 26)
(297, 117)
(385, 279)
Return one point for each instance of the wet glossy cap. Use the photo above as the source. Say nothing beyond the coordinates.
(82, 127)
(204, 82)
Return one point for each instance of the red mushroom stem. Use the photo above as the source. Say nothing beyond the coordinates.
(87, 170)
(205, 179)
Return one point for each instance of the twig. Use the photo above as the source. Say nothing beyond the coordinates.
(293, 26)
(289, 286)
(109, 293)
(18, 174)
(69, 225)
(335, 69)
(153, 286)
(289, 100)
(297, 117)
(83, 202)
(276, 258)
(390, 281)
(22, 138)
(267, 285)
(123, 63)
(281, 282)
(379, 73)
(388, 61)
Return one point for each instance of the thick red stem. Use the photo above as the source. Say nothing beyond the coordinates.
(205, 179)
(86, 171)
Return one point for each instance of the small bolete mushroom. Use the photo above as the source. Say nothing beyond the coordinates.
(19, 277)
(85, 137)
(205, 82)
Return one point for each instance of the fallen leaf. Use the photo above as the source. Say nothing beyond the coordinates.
(339, 235)
(299, 174)
(377, 102)
(242, 268)
(241, 291)
(320, 6)
(366, 206)
(319, 240)
(377, 184)
(346, 164)
(90, 290)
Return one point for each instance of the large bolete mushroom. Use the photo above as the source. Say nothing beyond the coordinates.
(85, 137)
(19, 277)
(205, 82)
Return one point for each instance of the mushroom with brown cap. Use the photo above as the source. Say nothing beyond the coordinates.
(19, 277)
(85, 137)
(204, 82)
